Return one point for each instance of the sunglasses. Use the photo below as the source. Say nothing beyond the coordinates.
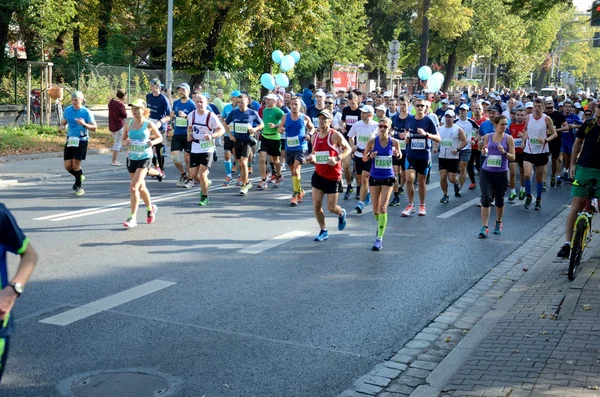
(420, 106)
(383, 126)
(328, 103)
(549, 107)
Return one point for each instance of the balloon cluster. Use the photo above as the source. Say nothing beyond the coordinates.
(286, 63)
(434, 80)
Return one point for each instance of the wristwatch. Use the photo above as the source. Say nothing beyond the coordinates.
(18, 287)
(338, 158)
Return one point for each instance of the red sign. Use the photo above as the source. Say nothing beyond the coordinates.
(19, 46)
(343, 80)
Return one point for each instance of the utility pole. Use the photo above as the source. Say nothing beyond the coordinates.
(169, 76)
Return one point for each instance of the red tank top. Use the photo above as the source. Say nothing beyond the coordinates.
(323, 149)
(515, 129)
(474, 144)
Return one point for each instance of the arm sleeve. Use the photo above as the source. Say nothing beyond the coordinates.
(11, 236)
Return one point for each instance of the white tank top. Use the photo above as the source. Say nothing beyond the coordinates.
(449, 142)
(536, 135)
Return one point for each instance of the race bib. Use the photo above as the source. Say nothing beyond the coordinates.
(315, 121)
(473, 135)
(322, 157)
(402, 145)
(494, 160)
(417, 144)
(73, 141)
(536, 141)
(383, 162)
(446, 143)
(180, 122)
(293, 141)
(364, 138)
(137, 147)
(518, 142)
(241, 128)
(207, 144)
(350, 120)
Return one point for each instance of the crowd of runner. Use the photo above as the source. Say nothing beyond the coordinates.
(376, 145)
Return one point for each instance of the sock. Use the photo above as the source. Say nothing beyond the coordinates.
(358, 190)
(539, 187)
(528, 187)
(295, 184)
(148, 208)
(382, 223)
(132, 216)
(567, 243)
(298, 178)
(77, 175)
(522, 189)
(272, 167)
(396, 194)
(72, 172)
(376, 217)
(512, 191)
(202, 196)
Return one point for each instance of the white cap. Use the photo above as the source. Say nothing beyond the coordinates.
(561, 104)
(548, 99)
(369, 99)
(271, 96)
(381, 107)
(578, 105)
(387, 94)
(464, 106)
(484, 101)
(320, 93)
(445, 101)
(451, 107)
(529, 105)
(450, 112)
(367, 109)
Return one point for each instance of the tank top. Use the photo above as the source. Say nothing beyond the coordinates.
(515, 129)
(536, 135)
(323, 149)
(495, 161)
(381, 166)
(295, 133)
(449, 142)
(138, 142)
(201, 125)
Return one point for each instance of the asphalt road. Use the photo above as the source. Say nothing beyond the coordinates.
(100, 115)
(298, 319)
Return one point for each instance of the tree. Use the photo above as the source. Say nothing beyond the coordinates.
(7, 9)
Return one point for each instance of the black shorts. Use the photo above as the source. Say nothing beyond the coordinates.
(198, 159)
(271, 146)
(361, 165)
(518, 159)
(228, 144)
(538, 160)
(133, 165)
(450, 165)
(421, 166)
(242, 149)
(555, 146)
(283, 145)
(297, 155)
(381, 182)
(76, 152)
(325, 185)
(179, 143)
(400, 162)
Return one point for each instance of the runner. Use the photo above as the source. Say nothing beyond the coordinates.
(568, 138)
(379, 151)
(362, 131)
(421, 130)
(160, 109)
(399, 126)
(203, 128)
(182, 107)
(499, 148)
(475, 159)
(453, 140)
(298, 128)
(270, 142)
(539, 130)
(116, 121)
(228, 143)
(140, 136)
(329, 149)
(350, 115)
(12, 240)
(246, 123)
(471, 128)
(79, 121)
(516, 131)
(560, 125)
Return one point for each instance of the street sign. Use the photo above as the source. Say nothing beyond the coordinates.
(394, 46)
(392, 65)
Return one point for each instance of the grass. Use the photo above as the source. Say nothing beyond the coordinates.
(34, 139)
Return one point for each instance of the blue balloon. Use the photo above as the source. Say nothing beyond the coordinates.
(282, 80)
(438, 76)
(424, 72)
(287, 63)
(434, 83)
(267, 81)
(277, 56)
(295, 55)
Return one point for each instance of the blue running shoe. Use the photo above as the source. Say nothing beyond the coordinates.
(378, 244)
(323, 235)
(342, 220)
(368, 199)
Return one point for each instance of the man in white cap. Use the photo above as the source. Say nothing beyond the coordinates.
(379, 112)
(529, 108)
(179, 142)
(270, 142)
(361, 132)
(453, 140)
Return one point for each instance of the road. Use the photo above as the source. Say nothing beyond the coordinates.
(248, 304)
(100, 115)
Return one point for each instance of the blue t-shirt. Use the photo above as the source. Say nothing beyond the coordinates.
(159, 108)
(254, 105)
(214, 108)
(419, 146)
(12, 240)
(241, 121)
(313, 113)
(399, 125)
(570, 135)
(74, 129)
(226, 110)
(487, 127)
(187, 108)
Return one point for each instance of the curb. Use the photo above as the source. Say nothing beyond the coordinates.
(38, 156)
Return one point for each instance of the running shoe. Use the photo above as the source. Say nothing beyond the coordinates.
(239, 182)
(564, 252)
(378, 244)
(544, 187)
(422, 210)
(485, 231)
(188, 184)
(498, 228)
(400, 190)
(160, 176)
(522, 195)
(538, 205)
(528, 201)
(512, 197)
(228, 180)
(445, 199)
(472, 186)
(262, 185)
(244, 189)
(209, 183)
(410, 209)
(368, 199)
(552, 181)
(277, 182)
(347, 194)
(181, 180)
(294, 200)
(479, 204)
(301, 195)
(130, 222)
(322, 236)
(79, 191)
(359, 207)
(272, 178)
(342, 220)
(151, 215)
(203, 201)
(283, 167)
(456, 190)
(395, 202)
(558, 181)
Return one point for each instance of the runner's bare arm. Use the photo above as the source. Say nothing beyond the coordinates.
(511, 148)
(280, 127)
(155, 136)
(368, 149)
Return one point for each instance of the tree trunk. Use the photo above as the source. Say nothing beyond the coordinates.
(493, 76)
(76, 35)
(5, 15)
(104, 19)
(450, 67)
(544, 68)
(424, 58)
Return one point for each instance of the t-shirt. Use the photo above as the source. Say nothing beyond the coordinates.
(116, 115)
(350, 117)
(203, 124)
(254, 105)
(591, 145)
(181, 123)
(159, 108)
(241, 121)
(470, 127)
(487, 127)
(313, 113)
(272, 115)
(363, 132)
(12, 240)
(399, 125)
(571, 119)
(74, 129)
(218, 102)
(419, 146)
(557, 119)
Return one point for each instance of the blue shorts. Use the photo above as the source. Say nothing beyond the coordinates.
(567, 146)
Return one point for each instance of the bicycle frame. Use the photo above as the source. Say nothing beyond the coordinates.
(586, 214)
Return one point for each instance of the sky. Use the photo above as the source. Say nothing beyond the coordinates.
(583, 5)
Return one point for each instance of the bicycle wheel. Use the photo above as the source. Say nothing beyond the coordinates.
(22, 118)
(577, 247)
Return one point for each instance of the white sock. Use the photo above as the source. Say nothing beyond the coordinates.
(567, 243)
(512, 191)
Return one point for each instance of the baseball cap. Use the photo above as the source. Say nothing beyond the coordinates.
(445, 101)
(235, 94)
(484, 102)
(578, 105)
(184, 85)
(326, 113)
(319, 93)
(206, 94)
(493, 109)
(77, 95)
(271, 96)
(138, 103)
(450, 112)
(561, 104)
(367, 109)
(381, 107)
(451, 107)
(464, 106)
(548, 99)
(156, 82)
(387, 94)
(528, 105)
(369, 99)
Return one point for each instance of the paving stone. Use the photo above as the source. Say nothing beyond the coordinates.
(426, 337)
(377, 380)
(402, 358)
(423, 365)
(417, 373)
(411, 381)
(397, 388)
(395, 365)
(389, 373)
(417, 344)
(369, 389)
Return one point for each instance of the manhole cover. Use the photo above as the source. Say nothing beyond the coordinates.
(122, 384)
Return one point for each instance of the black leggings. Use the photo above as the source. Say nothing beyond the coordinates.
(493, 185)
(474, 160)
(159, 159)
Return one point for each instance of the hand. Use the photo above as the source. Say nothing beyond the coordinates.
(310, 159)
(149, 143)
(435, 150)
(251, 130)
(454, 151)
(208, 137)
(7, 301)
(332, 161)
(233, 139)
(181, 114)
(395, 152)
(572, 171)
(158, 124)
(501, 149)
(271, 125)
(190, 138)
(373, 155)
(80, 121)
(421, 131)
(520, 135)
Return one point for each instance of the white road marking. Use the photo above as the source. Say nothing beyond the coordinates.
(274, 242)
(81, 312)
(458, 209)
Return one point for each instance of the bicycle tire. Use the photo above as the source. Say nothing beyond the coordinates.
(22, 116)
(577, 247)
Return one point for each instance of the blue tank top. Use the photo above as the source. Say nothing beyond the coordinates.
(295, 133)
(381, 166)
(495, 161)
(138, 142)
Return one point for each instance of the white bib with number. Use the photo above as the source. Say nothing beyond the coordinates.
(446, 143)
(417, 144)
(536, 141)
(241, 128)
(293, 141)
(518, 142)
(364, 138)
(350, 120)
(180, 122)
(383, 162)
(73, 141)
(322, 157)
(494, 160)
(402, 145)
(137, 148)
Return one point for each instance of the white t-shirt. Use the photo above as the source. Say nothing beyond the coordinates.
(363, 132)
(450, 141)
(200, 127)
